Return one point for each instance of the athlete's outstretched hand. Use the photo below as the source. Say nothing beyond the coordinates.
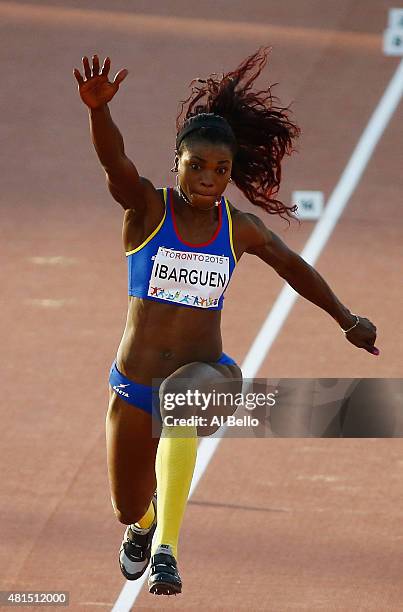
(96, 89)
(364, 336)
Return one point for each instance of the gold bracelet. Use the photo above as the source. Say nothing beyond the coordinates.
(345, 331)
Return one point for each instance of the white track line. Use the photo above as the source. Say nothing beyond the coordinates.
(287, 297)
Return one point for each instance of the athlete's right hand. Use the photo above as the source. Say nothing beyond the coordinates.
(96, 89)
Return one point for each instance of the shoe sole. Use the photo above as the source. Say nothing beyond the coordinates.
(165, 588)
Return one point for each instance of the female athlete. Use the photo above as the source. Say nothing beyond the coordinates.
(182, 245)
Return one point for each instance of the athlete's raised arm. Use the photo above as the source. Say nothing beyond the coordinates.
(307, 281)
(96, 90)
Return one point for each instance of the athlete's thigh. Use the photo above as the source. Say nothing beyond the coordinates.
(131, 442)
(202, 390)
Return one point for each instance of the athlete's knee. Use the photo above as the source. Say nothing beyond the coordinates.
(128, 513)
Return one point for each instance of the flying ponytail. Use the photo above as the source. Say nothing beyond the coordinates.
(264, 132)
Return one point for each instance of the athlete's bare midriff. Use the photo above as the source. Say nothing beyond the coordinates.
(160, 338)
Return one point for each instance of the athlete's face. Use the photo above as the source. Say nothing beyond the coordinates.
(204, 170)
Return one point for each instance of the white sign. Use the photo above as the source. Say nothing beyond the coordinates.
(393, 41)
(310, 204)
(396, 18)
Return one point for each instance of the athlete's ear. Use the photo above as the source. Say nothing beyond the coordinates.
(176, 162)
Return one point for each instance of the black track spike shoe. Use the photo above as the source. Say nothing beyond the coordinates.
(135, 551)
(164, 578)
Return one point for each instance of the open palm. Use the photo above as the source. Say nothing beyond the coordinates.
(96, 89)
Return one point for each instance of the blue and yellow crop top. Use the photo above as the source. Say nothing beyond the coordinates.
(166, 268)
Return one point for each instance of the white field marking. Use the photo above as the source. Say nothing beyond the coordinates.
(324, 477)
(104, 604)
(287, 297)
(49, 303)
(53, 260)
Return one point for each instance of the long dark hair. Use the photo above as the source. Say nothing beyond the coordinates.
(264, 132)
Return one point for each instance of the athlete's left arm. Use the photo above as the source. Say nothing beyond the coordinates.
(302, 277)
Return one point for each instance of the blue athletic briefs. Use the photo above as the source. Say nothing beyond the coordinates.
(144, 396)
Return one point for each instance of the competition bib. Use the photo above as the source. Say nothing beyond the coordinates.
(182, 277)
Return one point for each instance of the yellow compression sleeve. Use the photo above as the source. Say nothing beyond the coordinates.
(175, 462)
(147, 520)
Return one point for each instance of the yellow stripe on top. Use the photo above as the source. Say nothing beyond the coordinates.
(230, 229)
(156, 229)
